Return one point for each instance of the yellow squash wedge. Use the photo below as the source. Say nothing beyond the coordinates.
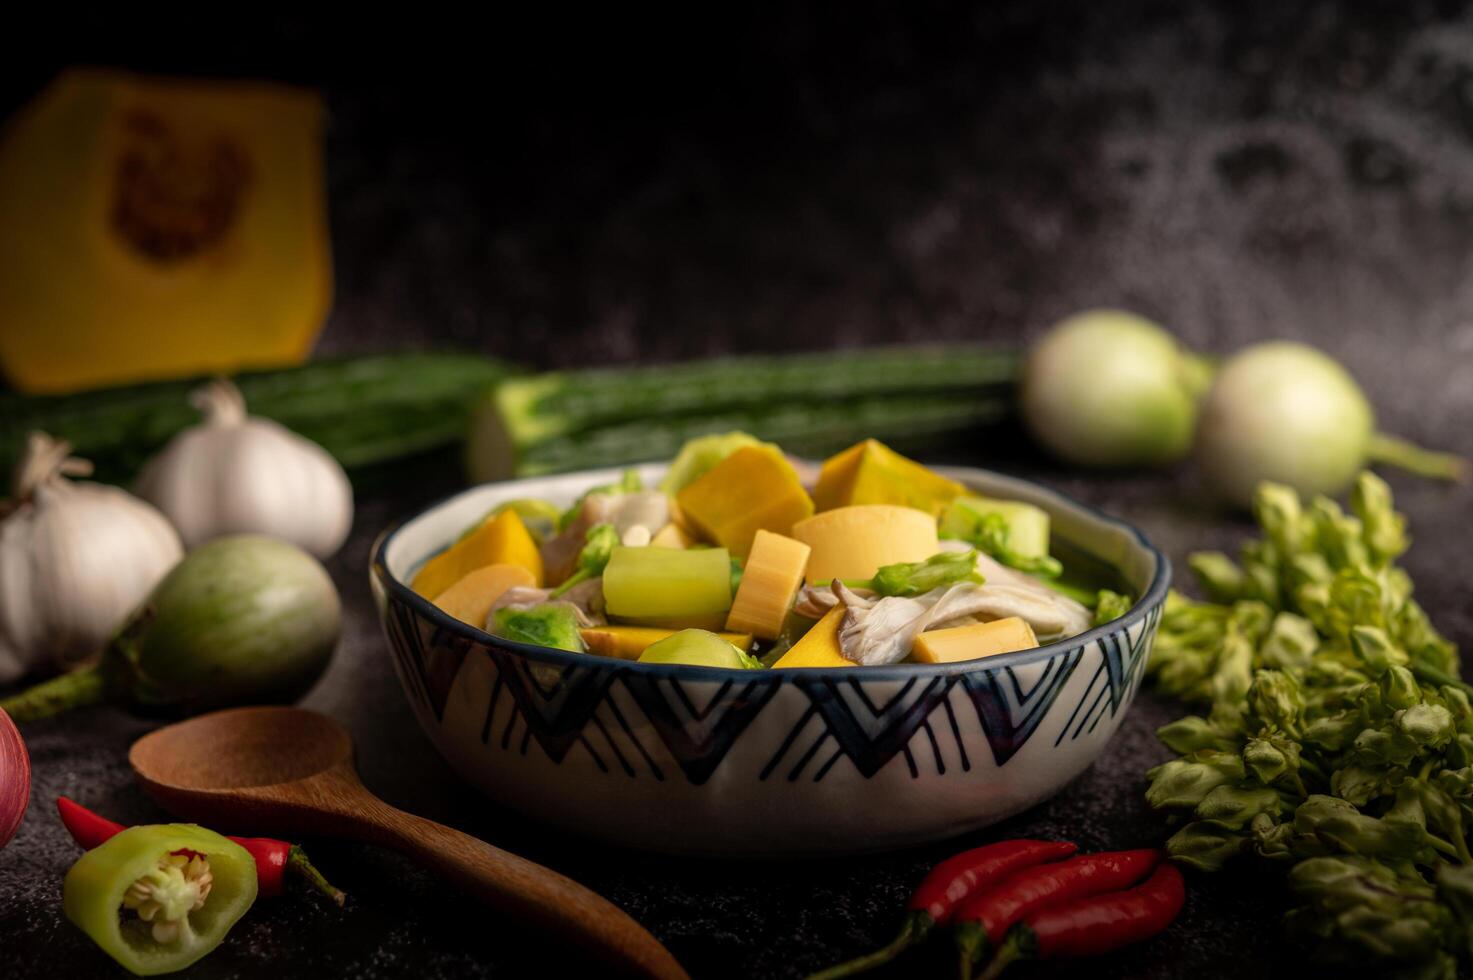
(819, 647)
(753, 489)
(152, 227)
(470, 599)
(502, 540)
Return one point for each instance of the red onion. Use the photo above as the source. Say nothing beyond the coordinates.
(15, 779)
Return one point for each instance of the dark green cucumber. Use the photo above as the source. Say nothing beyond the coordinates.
(364, 410)
(809, 403)
(806, 429)
(546, 405)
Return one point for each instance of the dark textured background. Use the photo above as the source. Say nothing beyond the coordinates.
(558, 190)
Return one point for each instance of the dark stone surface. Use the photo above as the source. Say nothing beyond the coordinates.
(1238, 170)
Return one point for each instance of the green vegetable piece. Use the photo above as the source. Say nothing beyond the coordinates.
(1269, 759)
(1290, 644)
(1234, 807)
(1429, 725)
(1192, 734)
(1183, 783)
(942, 569)
(1455, 890)
(148, 906)
(1355, 909)
(1013, 532)
(1323, 674)
(1219, 576)
(548, 625)
(1110, 606)
(244, 619)
(702, 453)
(1276, 701)
(599, 544)
(698, 648)
(1205, 845)
(1340, 824)
(667, 583)
(1399, 688)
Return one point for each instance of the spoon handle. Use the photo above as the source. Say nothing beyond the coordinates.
(520, 888)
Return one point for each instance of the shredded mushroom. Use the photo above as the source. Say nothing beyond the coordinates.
(585, 599)
(881, 630)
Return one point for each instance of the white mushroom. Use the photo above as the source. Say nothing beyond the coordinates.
(881, 630)
(642, 508)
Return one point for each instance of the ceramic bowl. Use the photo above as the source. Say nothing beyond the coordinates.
(777, 762)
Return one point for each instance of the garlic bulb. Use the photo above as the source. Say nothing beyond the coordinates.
(238, 474)
(75, 560)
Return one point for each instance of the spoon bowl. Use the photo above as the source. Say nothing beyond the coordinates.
(240, 749)
(290, 771)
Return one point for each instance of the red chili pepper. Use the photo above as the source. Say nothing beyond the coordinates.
(984, 919)
(273, 857)
(948, 884)
(1095, 925)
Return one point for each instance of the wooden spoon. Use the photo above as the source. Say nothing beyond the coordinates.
(290, 771)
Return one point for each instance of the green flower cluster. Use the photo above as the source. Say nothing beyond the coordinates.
(1339, 739)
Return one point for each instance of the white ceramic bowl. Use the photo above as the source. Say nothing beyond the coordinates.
(725, 762)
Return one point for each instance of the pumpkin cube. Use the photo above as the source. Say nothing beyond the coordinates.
(873, 473)
(502, 540)
(754, 489)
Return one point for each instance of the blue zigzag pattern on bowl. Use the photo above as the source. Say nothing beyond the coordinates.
(562, 706)
(698, 738)
(1009, 714)
(869, 734)
(555, 704)
(1122, 665)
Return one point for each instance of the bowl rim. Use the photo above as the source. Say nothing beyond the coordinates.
(1154, 596)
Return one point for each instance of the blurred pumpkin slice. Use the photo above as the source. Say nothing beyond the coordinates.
(471, 598)
(158, 227)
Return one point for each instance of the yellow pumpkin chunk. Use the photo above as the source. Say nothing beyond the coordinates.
(754, 489)
(819, 647)
(502, 540)
(970, 642)
(628, 642)
(853, 542)
(873, 473)
(470, 599)
(155, 227)
(770, 579)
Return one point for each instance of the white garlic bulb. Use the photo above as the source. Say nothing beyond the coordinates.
(238, 474)
(75, 560)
